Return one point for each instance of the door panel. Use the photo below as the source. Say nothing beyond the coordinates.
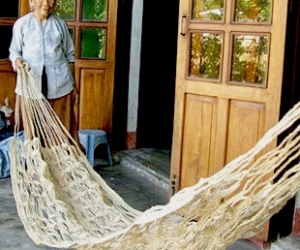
(245, 127)
(7, 82)
(94, 89)
(228, 83)
(199, 137)
(7, 86)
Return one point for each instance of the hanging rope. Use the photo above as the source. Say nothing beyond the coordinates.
(64, 203)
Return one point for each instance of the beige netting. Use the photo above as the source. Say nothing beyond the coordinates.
(63, 202)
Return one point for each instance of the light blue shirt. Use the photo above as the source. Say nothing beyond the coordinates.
(48, 44)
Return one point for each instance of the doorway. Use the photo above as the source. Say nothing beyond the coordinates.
(157, 75)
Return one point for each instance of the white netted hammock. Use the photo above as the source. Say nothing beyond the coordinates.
(64, 203)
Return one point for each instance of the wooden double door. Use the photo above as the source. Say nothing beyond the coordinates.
(92, 25)
(228, 83)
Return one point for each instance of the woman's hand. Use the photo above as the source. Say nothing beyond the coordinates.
(20, 63)
(75, 97)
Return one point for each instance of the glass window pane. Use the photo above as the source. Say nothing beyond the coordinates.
(205, 55)
(208, 10)
(6, 34)
(10, 9)
(93, 43)
(258, 11)
(250, 59)
(71, 31)
(94, 10)
(65, 9)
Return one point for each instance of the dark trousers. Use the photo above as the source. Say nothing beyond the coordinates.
(44, 82)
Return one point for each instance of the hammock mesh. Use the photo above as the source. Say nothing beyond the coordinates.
(64, 203)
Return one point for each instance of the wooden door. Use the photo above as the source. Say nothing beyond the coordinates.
(228, 83)
(92, 24)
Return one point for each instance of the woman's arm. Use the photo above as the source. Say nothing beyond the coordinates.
(16, 47)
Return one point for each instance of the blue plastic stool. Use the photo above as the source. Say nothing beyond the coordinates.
(90, 139)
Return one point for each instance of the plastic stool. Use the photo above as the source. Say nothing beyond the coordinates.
(90, 139)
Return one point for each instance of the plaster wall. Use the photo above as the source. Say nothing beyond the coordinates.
(136, 32)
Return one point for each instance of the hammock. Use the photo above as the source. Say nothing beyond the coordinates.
(64, 203)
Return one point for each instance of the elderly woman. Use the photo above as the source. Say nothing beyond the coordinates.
(42, 41)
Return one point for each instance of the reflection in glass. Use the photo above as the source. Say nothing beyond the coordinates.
(6, 34)
(208, 10)
(250, 59)
(205, 55)
(71, 31)
(94, 10)
(252, 11)
(65, 9)
(93, 43)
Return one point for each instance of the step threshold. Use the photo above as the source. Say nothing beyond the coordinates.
(144, 171)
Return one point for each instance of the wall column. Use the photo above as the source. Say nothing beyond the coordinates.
(134, 73)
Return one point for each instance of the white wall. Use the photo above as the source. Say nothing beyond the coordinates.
(134, 68)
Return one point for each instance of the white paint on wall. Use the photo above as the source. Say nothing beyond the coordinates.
(134, 68)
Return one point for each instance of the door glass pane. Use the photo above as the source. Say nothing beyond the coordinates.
(258, 11)
(205, 55)
(65, 9)
(10, 9)
(94, 10)
(208, 10)
(93, 43)
(250, 59)
(71, 31)
(6, 34)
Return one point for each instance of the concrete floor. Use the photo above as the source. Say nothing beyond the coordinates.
(134, 186)
(137, 192)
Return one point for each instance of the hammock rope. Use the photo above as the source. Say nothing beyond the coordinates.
(62, 202)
